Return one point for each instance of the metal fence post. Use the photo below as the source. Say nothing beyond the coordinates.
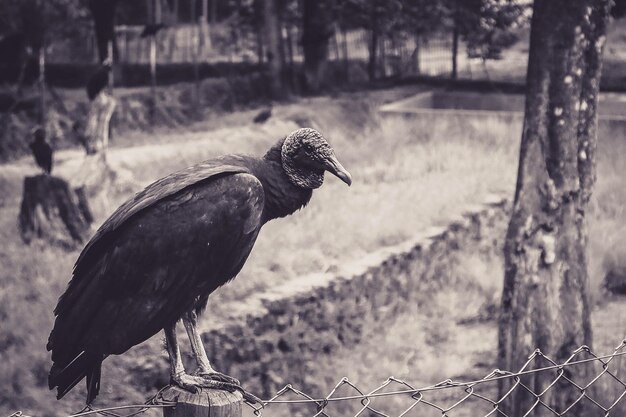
(207, 402)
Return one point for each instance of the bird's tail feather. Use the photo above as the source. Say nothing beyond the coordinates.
(93, 381)
(65, 378)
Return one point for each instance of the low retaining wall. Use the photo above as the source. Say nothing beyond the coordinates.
(279, 335)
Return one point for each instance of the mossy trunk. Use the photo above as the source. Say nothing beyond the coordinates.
(53, 212)
(545, 301)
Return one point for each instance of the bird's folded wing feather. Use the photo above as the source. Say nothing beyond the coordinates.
(160, 189)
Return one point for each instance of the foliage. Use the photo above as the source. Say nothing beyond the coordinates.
(422, 17)
(43, 20)
(487, 26)
(493, 31)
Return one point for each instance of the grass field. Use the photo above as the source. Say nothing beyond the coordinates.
(407, 176)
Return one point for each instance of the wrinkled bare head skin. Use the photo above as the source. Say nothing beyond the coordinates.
(306, 155)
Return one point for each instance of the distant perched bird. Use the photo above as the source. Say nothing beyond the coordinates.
(99, 79)
(157, 259)
(42, 151)
(151, 29)
(263, 116)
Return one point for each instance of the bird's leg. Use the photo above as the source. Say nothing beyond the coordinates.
(178, 376)
(205, 370)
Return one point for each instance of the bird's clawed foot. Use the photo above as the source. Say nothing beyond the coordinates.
(188, 382)
(214, 380)
(219, 377)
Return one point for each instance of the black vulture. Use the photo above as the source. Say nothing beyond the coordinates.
(263, 116)
(42, 151)
(99, 79)
(151, 29)
(161, 254)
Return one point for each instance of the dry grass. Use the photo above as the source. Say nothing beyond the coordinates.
(407, 176)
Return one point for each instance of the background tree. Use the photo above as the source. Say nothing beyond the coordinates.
(486, 26)
(317, 28)
(274, 52)
(103, 13)
(419, 18)
(545, 300)
(377, 17)
(492, 30)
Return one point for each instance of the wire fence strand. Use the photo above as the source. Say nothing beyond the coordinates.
(472, 396)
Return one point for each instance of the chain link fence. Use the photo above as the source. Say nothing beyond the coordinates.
(603, 394)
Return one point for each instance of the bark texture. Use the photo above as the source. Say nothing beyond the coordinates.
(545, 301)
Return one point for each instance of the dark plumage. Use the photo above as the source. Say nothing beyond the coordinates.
(42, 151)
(162, 253)
(151, 29)
(98, 80)
(263, 116)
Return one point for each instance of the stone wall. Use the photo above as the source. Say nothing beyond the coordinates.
(276, 337)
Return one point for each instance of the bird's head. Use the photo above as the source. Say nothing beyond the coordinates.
(39, 134)
(306, 155)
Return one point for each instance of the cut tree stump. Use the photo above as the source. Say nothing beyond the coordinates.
(207, 402)
(52, 211)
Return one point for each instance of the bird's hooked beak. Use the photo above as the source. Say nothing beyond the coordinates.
(332, 165)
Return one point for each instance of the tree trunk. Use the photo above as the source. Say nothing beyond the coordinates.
(455, 46)
(213, 12)
(317, 27)
(103, 13)
(175, 10)
(52, 211)
(274, 60)
(545, 300)
(41, 84)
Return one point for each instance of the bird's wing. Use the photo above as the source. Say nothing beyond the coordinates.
(157, 191)
(158, 261)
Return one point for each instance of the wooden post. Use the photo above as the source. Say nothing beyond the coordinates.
(42, 85)
(153, 81)
(207, 402)
(205, 35)
(111, 75)
(194, 53)
(346, 58)
(153, 59)
(455, 43)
